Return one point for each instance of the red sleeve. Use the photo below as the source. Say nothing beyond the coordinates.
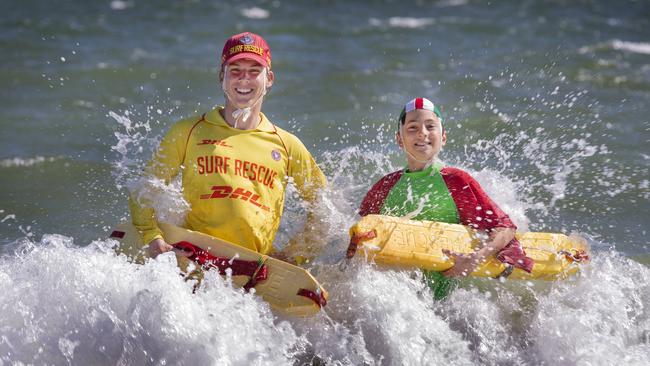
(376, 196)
(475, 208)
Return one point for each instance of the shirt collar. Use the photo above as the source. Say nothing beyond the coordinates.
(214, 116)
(429, 170)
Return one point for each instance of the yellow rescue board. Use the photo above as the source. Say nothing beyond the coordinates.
(280, 289)
(402, 242)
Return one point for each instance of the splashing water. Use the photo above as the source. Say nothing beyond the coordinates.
(166, 199)
(557, 138)
(64, 304)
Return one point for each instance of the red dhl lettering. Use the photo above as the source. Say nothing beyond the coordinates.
(241, 194)
(236, 193)
(214, 142)
(221, 191)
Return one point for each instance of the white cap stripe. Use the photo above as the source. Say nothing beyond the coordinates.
(426, 104)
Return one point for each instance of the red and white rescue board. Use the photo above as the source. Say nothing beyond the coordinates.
(287, 288)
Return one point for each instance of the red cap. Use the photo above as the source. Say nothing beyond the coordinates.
(246, 45)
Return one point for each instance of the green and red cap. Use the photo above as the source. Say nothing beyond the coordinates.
(246, 45)
(419, 103)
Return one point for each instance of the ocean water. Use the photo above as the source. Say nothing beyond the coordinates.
(545, 103)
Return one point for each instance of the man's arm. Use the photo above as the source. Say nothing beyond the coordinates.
(310, 182)
(164, 165)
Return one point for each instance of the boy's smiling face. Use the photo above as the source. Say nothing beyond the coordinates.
(422, 137)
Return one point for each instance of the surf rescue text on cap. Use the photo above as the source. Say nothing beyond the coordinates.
(246, 45)
(419, 103)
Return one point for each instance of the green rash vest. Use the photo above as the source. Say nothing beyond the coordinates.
(423, 195)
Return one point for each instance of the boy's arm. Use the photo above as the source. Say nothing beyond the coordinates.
(464, 264)
(374, 200)
(477, 210)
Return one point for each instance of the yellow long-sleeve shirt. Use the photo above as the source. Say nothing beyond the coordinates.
(234, 180)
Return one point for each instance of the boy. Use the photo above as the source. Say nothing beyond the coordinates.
(426, 190)
(234, 162)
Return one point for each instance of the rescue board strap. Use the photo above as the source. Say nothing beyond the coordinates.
(358, 238)
(318, 296)
(256, 270)
(578, 256)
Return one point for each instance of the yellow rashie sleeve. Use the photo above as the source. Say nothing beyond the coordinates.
(164, 165)
(309, 181)
(306, 174)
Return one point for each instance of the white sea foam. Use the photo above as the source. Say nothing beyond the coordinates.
(408, 22)
(390, 314)
(446, 3)
(62, 304)
(26, 162)
(120, 4)
(618, 45)
(374, 22)
(167, 200)
(8, 217)
(133, 139)
(503, 191)
(599, 318)
(636, 47)
(65, 304)
(403, 22)
(255, 13)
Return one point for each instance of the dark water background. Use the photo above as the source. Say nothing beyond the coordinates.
(546, 102)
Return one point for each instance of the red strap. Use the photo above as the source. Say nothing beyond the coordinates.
(578, 256)
(253, 280)
(513, 254)
(319, 296)
(117, 234)
(257, 270)
(358, 238)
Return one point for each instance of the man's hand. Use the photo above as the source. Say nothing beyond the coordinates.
(158, 246)
(464, 264)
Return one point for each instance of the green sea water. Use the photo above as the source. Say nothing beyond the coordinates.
(545, 102)
(573, 76)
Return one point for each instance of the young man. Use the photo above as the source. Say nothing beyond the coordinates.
(235, 163)
(426, 190)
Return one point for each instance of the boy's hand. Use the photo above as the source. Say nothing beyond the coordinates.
(464, 264)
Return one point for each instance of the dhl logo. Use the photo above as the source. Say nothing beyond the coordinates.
(214, 142)
(237, 193)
